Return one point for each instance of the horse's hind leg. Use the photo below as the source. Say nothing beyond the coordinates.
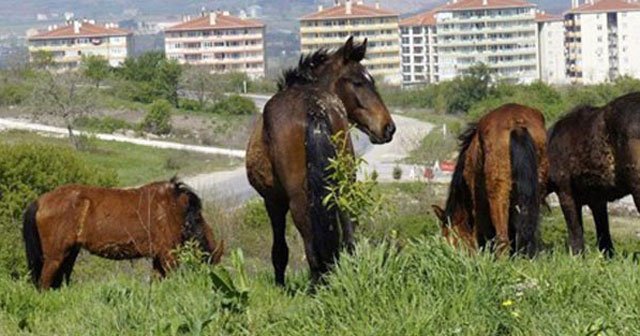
(572, 212)
(279, 251)
(601, 218)
(51, 276)
(68, 263)
(298, 206)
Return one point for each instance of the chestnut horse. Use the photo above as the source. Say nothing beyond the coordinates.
(150, 221)
(594, 153)
(290, 148)
(498, 182)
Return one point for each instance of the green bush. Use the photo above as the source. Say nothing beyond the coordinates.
(101, 125)
(27, 171)
(13, 93)
(158, 119)
(234, 105)
(189, 104)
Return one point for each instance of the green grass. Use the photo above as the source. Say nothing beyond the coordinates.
(135, 164)
(402, 280)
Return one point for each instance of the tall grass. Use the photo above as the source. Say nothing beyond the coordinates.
(425, 288)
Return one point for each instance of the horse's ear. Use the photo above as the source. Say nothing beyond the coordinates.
(347, 50)
(359, 51)
(439, 213)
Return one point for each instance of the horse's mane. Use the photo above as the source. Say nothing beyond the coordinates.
(193, 214)
(459, 193)
(303, 73)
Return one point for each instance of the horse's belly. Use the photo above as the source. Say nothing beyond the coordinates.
(119, 251)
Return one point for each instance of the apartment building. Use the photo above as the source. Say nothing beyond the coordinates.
(552, 64)
(419, 49)
(499, 33)
(74, 39)
(218, 40)
(451, 38)
(602, 40)
(330, 28)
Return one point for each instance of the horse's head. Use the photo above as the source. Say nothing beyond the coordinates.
(357, 90)
(455, 227)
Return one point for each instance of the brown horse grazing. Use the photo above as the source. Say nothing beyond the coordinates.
(150, 221)
(290, 148)
(498, 182)
(594, 154)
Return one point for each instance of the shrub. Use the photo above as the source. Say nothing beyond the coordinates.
(13, 94)
(158, 119)
(397, 173)
(27, 171)
(101, 125)
(234, 105)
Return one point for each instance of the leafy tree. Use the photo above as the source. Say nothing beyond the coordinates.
(142, 68)
(158, 119)
(96, 68)
(42, 59)
(167, 81)
(472, 87)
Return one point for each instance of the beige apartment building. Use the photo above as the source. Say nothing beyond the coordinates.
(71, 41)
(330, 28)
(219, 40)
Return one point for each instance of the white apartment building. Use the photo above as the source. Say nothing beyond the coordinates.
(552, 64)
(499, 33)
(74, 39)
(330, 27)
(503, 34)
(220, 41)
(419, 49)
(602, 40)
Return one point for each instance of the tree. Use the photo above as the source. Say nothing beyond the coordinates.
(96, 68)
(167, 81)
(142, 68)
(158, 119)
(61, 95)
(472, 87)
(42, 59)
(201, 84)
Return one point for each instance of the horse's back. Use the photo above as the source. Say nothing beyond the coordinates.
(281, 139)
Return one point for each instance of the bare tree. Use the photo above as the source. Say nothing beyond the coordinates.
(62, 96)
(198, 82)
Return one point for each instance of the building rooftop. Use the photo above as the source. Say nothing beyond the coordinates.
(423, 19)
(456, 5)
(79, 29)
(349, 9)
(603, 6)
(215, 20)
(546, 17)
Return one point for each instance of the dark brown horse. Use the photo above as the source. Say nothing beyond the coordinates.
(290, 148)
(594, 153)
(150, 221)
(498, 182)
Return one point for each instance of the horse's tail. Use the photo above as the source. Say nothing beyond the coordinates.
(32, 242)
(325, 224)
(525, 205)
